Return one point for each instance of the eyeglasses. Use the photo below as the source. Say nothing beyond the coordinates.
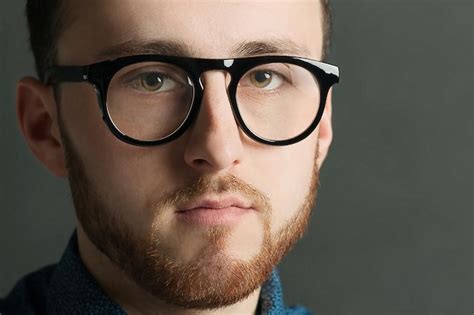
(149, 100)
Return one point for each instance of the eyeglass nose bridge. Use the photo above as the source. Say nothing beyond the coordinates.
(207, 65)
(227, 74)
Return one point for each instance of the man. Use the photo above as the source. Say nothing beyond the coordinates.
(192, 134)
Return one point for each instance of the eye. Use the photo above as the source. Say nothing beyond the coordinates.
(153, 82)
(265, 79)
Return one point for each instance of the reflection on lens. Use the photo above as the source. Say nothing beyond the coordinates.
(150, 100)
(278, 101)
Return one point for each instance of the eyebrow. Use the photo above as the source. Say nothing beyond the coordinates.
(177, 48)
(270, 46)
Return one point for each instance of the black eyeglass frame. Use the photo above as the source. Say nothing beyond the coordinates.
(101, 73)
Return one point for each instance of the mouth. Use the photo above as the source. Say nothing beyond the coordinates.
(215, 211)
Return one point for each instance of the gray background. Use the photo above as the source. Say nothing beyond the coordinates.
(393, 229)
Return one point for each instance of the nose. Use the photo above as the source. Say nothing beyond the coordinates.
(214, 142)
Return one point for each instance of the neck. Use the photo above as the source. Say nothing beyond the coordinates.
(132, 298)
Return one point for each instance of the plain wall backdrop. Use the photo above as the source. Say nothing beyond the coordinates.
(392, 232)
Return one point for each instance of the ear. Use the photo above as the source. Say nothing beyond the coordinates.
(325, 130)
(37, 117)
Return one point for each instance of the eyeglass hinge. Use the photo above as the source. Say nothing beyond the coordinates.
(85, 73)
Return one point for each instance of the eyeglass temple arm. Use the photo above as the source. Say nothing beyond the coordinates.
(59, 74)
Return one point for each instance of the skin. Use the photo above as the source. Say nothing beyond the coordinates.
(75, 143)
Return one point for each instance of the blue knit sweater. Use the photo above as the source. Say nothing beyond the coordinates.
(68, 288)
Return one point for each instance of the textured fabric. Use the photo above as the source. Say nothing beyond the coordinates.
(68, 288)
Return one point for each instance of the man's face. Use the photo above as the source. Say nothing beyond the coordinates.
(127, 197)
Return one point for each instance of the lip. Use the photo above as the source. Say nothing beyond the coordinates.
(216, 203)
(215, 210)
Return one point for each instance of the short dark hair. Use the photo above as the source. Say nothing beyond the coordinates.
(45, 23)
(47, 18)
(327, 26)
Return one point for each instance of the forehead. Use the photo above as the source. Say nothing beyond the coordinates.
(207, 29)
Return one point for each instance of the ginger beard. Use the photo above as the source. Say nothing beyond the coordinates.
(215, 279)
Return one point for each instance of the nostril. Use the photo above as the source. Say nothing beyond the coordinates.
(199, 162)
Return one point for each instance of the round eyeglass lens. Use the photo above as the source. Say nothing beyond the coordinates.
(278, 101)
(150, 100)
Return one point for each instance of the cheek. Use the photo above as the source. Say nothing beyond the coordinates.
(288, 178)
(82, 117)
(123, 175)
